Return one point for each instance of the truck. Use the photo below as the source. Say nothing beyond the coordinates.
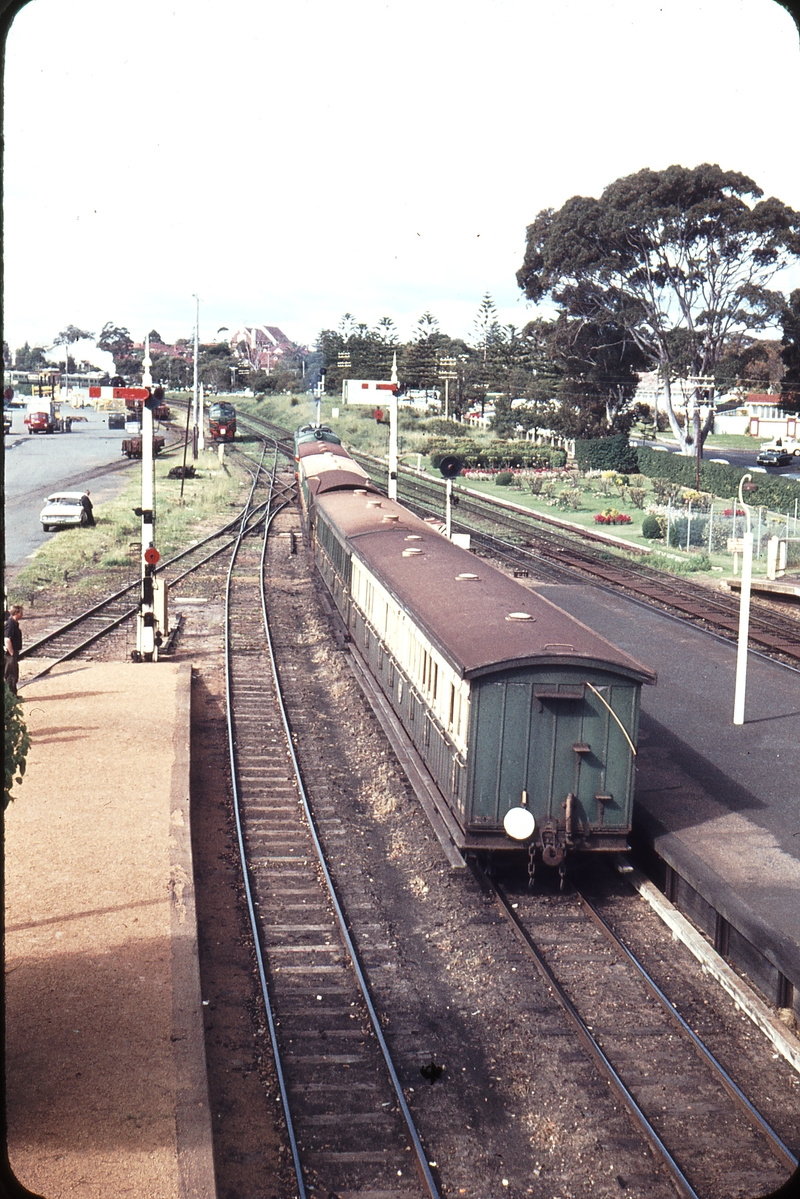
(43, 416)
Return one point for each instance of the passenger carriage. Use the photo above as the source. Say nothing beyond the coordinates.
(525, 718)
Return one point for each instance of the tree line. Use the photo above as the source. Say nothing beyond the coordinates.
(669, 271)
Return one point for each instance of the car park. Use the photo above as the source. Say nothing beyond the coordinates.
(63, 509)
(774, 456)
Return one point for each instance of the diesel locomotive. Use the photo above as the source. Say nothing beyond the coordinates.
(221, 421)
(525, 718)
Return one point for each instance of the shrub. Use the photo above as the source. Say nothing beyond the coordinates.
(637, 496)
(17, 743)
(650, 527)
(664, 489)
(779, 494)
(570, 497)
(504, 478)
(535, 484)
(606, 453)
(698, 533)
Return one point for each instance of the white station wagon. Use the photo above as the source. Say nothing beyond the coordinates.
(63, 508)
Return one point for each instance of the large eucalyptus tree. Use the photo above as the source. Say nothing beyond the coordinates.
(679, 260)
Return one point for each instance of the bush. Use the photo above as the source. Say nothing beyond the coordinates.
(504, 479)
(606, 453)
(685, 566)
(570, 497)
(503, 455)
(650, 527)
(17, 743)
(637, 496)
(779, 494)
(698, 533)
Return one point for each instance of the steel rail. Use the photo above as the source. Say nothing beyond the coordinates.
(117, 595)
(776, 1144)
(247, 514)
(248, 890)
(422, 1158)
(592, 1046)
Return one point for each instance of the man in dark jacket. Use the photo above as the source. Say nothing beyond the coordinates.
(13, 648)
(87, 506)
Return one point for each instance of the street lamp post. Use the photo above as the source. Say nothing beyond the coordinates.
(744, 607)
(195, 392)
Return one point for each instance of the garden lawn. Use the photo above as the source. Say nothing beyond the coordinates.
(673, 559)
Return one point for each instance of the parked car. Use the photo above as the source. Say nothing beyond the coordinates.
(116, 420)
(774, 456)
(62, 509)
(7, 421)
(791, 444)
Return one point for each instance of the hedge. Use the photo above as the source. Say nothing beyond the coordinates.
(607, 453)
(770, 492)
(516, 455)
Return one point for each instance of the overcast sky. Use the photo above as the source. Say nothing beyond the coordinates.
(290, 162)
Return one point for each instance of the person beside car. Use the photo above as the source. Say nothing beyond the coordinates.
(87, 506)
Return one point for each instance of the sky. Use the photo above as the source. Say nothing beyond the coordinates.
(287, 163)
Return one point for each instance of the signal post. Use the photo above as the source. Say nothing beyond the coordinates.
(151, 620)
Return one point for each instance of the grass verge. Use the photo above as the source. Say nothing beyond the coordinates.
(84, 563)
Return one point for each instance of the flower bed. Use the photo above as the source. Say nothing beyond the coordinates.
(612, 517)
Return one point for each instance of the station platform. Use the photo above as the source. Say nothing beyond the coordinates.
(105, 1058)
(717, 805)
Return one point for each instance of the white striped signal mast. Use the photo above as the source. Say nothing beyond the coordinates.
(151, 619)
(447, 371)
(373, 393)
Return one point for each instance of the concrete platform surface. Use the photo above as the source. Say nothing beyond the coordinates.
(105, 1063)
(721, 803)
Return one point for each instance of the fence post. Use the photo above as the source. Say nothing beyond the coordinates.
(669, 518)
(710, 524)
(759, 532)
(689, 526)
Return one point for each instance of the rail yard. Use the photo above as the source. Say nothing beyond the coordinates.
(396, 1016)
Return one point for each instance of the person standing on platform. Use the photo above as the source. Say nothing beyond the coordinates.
(87, 506)
(13, 648)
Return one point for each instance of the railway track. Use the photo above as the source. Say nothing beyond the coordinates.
(348, 1125)
(115, 612)
(671, 1084)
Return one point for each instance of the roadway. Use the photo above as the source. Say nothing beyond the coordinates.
(37, 464)
(745, 458)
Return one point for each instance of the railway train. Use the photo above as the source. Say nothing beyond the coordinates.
(221, 421)
(525, 718)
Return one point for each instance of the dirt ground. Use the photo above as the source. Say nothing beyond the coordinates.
(105, 1070)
